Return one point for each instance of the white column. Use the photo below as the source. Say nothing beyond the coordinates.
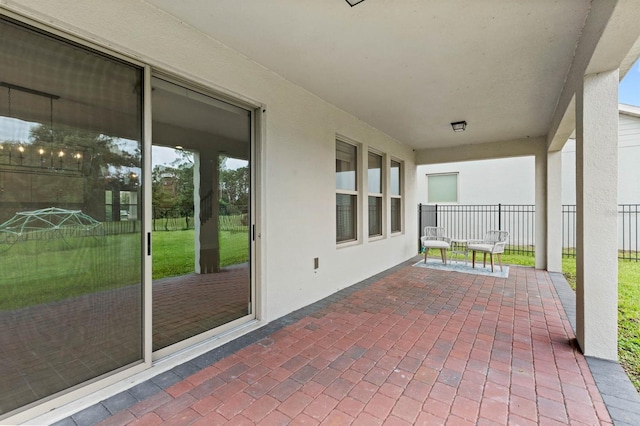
(207, 247)
(196, 211)
(541, 207)
(554, 211)
(596, 221)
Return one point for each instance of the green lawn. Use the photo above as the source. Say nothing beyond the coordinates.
(173, 251)
(629, 319)
(35, 272)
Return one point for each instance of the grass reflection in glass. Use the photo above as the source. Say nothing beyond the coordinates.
(173, 251)
(35, 272)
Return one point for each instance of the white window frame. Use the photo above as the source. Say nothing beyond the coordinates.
(457, 175)
(377, 195)
(355, 192)
(397, 196)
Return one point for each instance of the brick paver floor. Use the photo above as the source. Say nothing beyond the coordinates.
(417, 346)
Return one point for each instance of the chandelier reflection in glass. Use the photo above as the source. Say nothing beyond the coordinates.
(44, 152)
(16, 154)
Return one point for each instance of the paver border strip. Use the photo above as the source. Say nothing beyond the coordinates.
(620, 396)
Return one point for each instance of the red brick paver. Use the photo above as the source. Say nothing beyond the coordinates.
(418, 346)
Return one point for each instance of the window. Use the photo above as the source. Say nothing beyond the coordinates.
(346, 192)
(375, 194)
(442, 188)
(396, 196)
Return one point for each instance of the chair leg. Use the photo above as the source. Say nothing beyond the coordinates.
(491, 256)
(426, 250)
(473, 259)
(443, 254)
(484, 260)
(500, 260)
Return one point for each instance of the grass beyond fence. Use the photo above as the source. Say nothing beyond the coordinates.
(628, 308)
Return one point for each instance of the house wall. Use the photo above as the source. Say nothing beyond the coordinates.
(628, 161)
(504, 180)
(297, 166)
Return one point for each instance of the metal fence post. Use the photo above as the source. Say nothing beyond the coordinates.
(436, 215)
(419, 226)
(499, 217)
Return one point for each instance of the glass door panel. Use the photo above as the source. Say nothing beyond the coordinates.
(70, 238)
(201, 169)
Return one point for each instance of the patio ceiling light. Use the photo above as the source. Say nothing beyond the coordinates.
(459, 126)
(354, 2)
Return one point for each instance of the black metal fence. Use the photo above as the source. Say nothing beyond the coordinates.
(473, 221)
(569, 216)
(172, 219)
(628, 231)
(176, 219)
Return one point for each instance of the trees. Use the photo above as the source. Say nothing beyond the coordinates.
(172, 188)
(74, 166)
(234, 189)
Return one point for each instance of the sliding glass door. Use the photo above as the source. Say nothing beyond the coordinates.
(70, 235)
(74, 299)
(201, 180)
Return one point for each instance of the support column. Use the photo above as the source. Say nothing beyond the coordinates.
(554, 211)
(207, 246)
(596, 221)
(541, 207)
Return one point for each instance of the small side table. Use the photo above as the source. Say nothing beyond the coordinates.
(459, 248)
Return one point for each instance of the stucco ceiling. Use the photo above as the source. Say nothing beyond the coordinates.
(411, 67)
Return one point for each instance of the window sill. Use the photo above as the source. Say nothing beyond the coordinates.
(346, 244)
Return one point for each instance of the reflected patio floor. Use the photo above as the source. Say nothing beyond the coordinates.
(48, 348)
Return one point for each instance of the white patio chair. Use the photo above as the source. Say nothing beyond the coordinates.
(434, 237)
(493, 242)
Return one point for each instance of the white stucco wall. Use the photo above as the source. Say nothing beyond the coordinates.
(504, 180)
(297, 180)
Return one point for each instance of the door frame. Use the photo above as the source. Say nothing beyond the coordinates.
(255, 111)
